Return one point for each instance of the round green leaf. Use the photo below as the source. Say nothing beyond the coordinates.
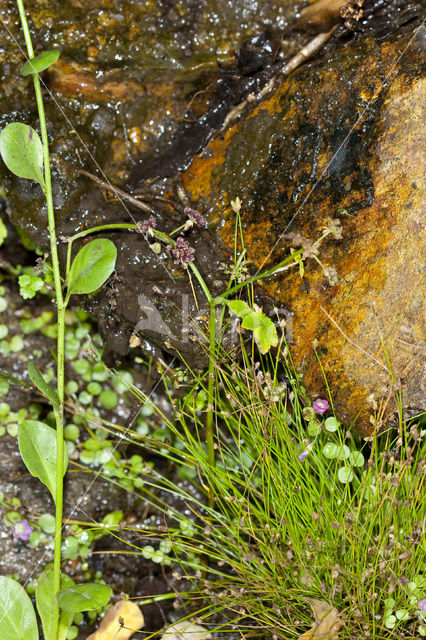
(36, 538)
(344, 452)
(402, 614)
(92, 266)
(390, 622)
(356, 459)
(70, 547)
(37, 444)
(108, 399)
(84, 597)
(345, 475)
(314, 428)
(331, 450)
(22, 151)
(17, 616)
(331, 424)
(46, 522)
(40, 62)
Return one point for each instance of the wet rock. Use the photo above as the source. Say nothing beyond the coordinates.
(342, 138)
(301, 143)
(148, 295)
(185, 630)
(113, 96)
(150, 64)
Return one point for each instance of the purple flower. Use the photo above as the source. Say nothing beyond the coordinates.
(403, 580)
(183, 253)
(145, 225)
(22, 530)
(303, 455)
(320, 405)
(422, 605)
(196, 217)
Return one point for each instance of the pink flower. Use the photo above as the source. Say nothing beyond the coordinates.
(422, 605)
(320, 405)
(22, 530)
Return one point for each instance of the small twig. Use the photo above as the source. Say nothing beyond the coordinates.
(301, 56)
(183, 196)
(121, 195)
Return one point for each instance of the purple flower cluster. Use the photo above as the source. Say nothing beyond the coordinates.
(182, 253)
(21, 530)
(145, 225)
(196, 217)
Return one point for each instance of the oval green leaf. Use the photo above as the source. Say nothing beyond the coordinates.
(42, 385)
(37, 445)
(92, 266)
(22, 151)
(265, 334)
(45, 607)
(40, 62)
(356, 459)
(84, 597)
(345, 475)
(17, 615)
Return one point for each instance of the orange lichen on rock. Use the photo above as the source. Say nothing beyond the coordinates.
(337, 141)
(72, 79)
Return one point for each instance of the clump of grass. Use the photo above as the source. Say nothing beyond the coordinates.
(296, 507)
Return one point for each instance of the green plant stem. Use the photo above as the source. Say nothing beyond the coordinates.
(210, 394)
(264, 274)
(87, 232)
(130, 226)
(60, 374)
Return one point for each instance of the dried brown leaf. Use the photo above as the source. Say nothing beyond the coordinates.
(120, 622)
(327, 621)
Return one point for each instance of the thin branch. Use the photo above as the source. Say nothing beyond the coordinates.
(299, 58)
